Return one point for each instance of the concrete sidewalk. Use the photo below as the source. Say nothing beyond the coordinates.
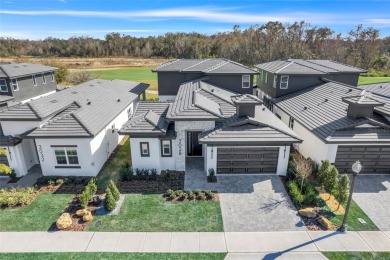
(273, 244)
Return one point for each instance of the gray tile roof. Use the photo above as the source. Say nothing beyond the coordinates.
(362, 100)
(264, 129)
(246, 99)
(148, 119)
(99, 102)
(382, 89)
(307, 67)
(4, 99)
(22, 69)
(207, 66)
(197, 100)
(323, 112)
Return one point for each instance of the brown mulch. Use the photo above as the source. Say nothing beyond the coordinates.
(70, 189)
(312, 224)
(157, 186)
(215, 198)
(77, 222)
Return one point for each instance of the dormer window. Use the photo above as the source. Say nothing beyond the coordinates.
(3, 85)
(283, 82)
(246, 81)
(52, 76)
(43, 79)
(14, 83)
(34, 81)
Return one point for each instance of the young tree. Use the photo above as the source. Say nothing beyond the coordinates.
(114, 190)
(109, 202)
(342, 191)
(303, 168)
(330, 181)
(323, 172)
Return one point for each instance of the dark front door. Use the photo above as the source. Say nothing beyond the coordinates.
(194, 148)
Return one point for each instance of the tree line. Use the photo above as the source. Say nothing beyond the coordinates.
(362, 46)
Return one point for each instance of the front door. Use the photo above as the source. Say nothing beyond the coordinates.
(194, 148)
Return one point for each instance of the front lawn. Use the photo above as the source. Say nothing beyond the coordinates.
(110, 170)
(38, 216)
(371, 80)
(353, 223)
(357, 255)
(150, 213)
(127, 256)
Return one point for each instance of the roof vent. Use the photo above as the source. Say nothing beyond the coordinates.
(305, 108)
(119, 100)
(350, 90)
(88, 102)
(212, 90)
(263, 109)
(54, 101)
(380, 86)
(326, 100)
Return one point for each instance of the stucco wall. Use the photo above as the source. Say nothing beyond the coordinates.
(181, 127)
(153, 161)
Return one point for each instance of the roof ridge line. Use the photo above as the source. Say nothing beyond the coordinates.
(238, 64)
(290, 62)
(81, 123)
(33, 109)
(311, 67)
(166, 64)
(214, 94)
(312, 61)
(194, 99)
(195, 64)
(347, 65)
(216, 66)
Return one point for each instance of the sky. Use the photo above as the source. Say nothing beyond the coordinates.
(38, 19)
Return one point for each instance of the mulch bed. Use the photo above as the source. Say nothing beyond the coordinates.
(312, 224)
(158, 186)
(78, 224)
(70, 189)
(215, 198)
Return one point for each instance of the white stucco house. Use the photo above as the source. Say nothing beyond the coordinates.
(71, 132)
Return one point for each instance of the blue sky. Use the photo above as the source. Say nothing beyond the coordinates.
(35, 19)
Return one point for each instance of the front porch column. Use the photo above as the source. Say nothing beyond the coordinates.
(16, 160)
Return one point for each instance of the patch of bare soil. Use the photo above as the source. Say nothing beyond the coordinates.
(332, 203)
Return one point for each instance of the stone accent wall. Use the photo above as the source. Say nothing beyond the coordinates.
(181, 127)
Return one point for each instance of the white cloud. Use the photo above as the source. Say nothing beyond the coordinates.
(379, 21)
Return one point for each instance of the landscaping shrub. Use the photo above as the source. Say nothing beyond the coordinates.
(153, 175)
(295, 193)
(59, 181)
(109, 202)
(16, 197)
(201, 196)
(138, 173)
(342, 190)
(179, 193)
(190, 195)
(89, 191)
(211, 177)
(167, 176)
(197, 192)
(291, 171)
(302, 195)
(171, 194)
(114, 190)
(209, 194)
(126, 172)
(68, 180)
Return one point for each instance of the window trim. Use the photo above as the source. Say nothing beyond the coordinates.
(52, 76)
(249, 81)
(275, 80)
(147, 145)
(286, 82)
(162, 148)
(5, 84)
(13, 86)
(266, 77)
(34, 79)
(291, 123)
(67, 165)
(43, 78)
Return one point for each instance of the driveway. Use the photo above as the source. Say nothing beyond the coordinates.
(372, 194)
(249, 203)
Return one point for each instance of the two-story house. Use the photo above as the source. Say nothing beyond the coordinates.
(212, 116)
(70, 132)
(21, 82)
(221, 72)
(337, 121)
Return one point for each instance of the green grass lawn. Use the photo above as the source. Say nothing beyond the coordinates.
(370, 80)
(38, 216)
(357, 255)
(151, 213)
(110, 170)
(353, 223)
(127, 256)
(141, 74)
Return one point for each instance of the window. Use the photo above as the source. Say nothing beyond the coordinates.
(3, 85)
(34, 80)
(144, 149)
(268, 103)
(15, 85)
(52, 76)
(66, 155)
(275, 79)
(283, 82)
(43, 79)
(291, 123)
(166, 150)
(265, 77)
(246, 81)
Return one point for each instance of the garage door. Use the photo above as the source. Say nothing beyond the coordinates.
(375, 159)
(247, 160)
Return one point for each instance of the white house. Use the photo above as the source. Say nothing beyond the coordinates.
(71, 132)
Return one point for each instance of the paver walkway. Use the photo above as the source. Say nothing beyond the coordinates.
(372, 194)
(272, 244)
(250, 203)
(27, 180)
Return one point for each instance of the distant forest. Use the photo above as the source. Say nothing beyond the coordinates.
(362, 46)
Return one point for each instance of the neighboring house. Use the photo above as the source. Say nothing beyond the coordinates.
(381, 89)
(233, 133)
(221, 72)
(278, 78)
(71, 132)
(21, 82)
(339, 123)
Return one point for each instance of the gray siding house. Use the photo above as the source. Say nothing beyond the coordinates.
(221, 72)
(20, 82)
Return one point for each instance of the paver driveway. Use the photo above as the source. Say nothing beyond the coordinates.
(249, 203)
(372, 194)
